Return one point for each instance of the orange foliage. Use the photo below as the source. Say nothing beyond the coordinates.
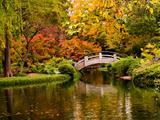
(50, 42)
(76, 48)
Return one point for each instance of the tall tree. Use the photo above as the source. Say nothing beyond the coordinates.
(26, 17)
(97, 20)
(7, 35)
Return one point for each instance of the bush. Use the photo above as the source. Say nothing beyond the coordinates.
(125, 66)
(49, 66)
(69, 69)
(66, 69)
(38, 68)
(146, 75)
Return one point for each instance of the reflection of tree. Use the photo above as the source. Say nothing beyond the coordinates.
(144, 105)
(103, 102)
(9, 103)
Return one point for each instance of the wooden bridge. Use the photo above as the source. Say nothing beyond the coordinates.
(102, 57)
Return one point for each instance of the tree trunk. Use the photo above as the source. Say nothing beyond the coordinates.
(7, 38)
(7, 61)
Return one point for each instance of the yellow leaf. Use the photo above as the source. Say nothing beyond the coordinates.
(130, 7)
(151, 10)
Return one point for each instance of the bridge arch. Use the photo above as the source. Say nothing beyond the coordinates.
(102, 57)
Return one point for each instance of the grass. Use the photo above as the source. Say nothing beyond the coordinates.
(30, 80)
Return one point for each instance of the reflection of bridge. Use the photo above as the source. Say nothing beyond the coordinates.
(102, 102)
(96, 89)
(103, 57)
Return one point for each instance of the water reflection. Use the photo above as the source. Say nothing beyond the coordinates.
(98, 98)
(9, 102)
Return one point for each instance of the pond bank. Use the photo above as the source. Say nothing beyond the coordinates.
(143, 73)
(34, 79)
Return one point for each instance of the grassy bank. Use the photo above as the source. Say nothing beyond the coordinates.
(29, 80)
(57, 70)
(147, 75)
(122, 67)
(144, 73)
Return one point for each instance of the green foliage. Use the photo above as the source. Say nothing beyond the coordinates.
(135, 63)
(39, 68)
(144, 19)
(147, 74)
(150, 52)
(39, 14)
(125, 66)
(66, 69)
(49, 66)
(20, 74)
(69, 69)
(16, 81)
(156, 40)
(143, 25)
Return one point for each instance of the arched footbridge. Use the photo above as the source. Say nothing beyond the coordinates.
(102, 57)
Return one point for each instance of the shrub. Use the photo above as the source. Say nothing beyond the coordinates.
(135, 63)
(66, 69)
(38, 67)
(50, 66)
(125, 66)
(146, 75)
(69, 69)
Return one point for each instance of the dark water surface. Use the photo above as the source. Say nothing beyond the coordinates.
(96, 98)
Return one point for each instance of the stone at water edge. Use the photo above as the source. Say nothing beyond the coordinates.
(126, 78)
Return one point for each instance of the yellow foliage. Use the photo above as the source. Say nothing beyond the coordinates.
(100, 16)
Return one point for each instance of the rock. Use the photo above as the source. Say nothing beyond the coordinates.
(126, 78)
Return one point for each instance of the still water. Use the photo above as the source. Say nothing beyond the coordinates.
(96, 97)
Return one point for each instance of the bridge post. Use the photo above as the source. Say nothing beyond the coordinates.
(100, 56)
(114, 56)
(85, 60)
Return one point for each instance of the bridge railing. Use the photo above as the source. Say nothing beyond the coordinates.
(97, 58)
(106, 53)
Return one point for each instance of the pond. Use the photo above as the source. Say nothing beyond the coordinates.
(96, 97)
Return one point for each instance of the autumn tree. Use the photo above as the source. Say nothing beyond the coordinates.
(101, 21)
(142, 23)
(26, 18)
(37, 15)
(76, 49)
(7, 12)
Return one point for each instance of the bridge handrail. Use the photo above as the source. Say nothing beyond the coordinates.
(97, 56)
(105, 52)
(93, 56)
(80, 61)
(88, 60)
(111, 56)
